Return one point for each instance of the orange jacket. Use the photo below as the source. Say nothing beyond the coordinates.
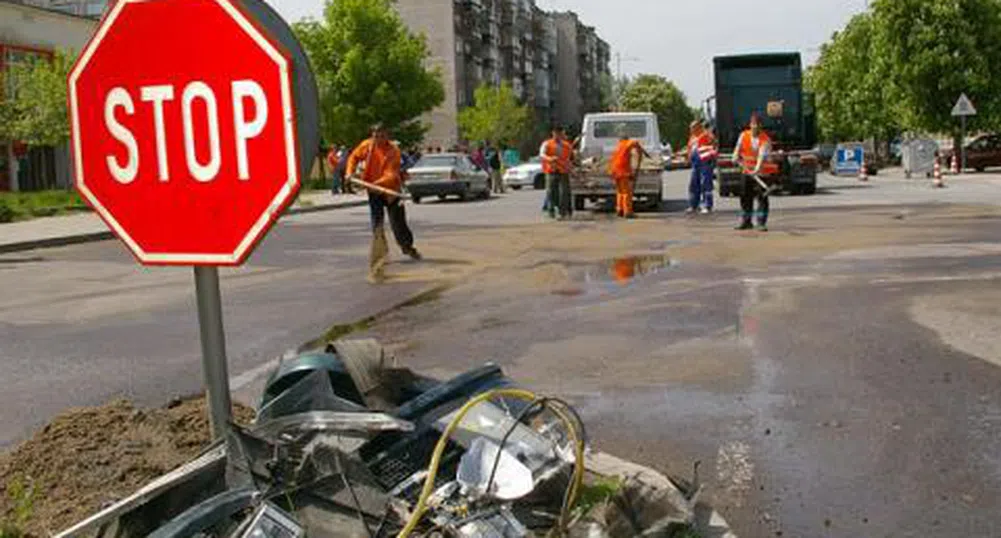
(620, 166)
(382, 164)
(749, 153)
(563, 152)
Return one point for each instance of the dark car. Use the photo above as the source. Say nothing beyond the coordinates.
(982, 152)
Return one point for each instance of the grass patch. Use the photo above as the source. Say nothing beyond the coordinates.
(598, 492)
(21, 498)
(27, 205)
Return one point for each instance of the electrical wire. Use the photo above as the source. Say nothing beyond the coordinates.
(507, 435)
(351, 489)
(432, 473)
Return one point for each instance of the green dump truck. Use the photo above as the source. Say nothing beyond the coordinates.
(770, 85)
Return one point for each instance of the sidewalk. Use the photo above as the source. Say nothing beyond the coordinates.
(87, 227)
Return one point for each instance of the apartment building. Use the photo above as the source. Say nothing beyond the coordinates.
(29, 33)
(553, 61)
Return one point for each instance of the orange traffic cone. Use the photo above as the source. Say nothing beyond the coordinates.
(863, 173)
(954, 165)
(937, 175)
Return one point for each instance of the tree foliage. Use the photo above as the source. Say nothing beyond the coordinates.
(33, 109)
(903, 64)
(654, 93)
(369, 69)
(497, 116)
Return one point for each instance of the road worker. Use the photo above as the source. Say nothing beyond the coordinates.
(702, 154)
(377, 161)
(752, 151)
(556, 154)
(623, 167)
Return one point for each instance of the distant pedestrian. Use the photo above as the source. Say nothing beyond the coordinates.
(752, 152)
(493, 161)
(556, 154)
(382, 161)
(702, 153)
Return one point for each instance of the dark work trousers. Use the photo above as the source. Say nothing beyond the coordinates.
(751, 191)
(378, 207)
(558, 192)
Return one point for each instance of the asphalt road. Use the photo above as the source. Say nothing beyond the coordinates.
(837, 377)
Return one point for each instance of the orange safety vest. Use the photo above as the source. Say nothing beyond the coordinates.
(749, 154)
(562, 164)
(621, 163)
(704, 145)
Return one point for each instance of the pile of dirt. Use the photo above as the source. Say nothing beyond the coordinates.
(86, 458)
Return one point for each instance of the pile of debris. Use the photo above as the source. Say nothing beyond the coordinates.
(345, 444)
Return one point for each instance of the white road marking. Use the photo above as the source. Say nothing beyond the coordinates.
(932, 279)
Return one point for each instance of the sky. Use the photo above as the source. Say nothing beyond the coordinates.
(679, 38)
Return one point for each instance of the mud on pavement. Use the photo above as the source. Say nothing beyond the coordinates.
(662, 333)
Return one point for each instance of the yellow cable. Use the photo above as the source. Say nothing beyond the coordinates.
(439, 449)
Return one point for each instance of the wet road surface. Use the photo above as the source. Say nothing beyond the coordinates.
(837, 377)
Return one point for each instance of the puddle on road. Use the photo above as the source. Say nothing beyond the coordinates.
(614, 275)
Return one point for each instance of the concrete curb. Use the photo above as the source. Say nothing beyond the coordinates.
(708, 522)
(91, 237)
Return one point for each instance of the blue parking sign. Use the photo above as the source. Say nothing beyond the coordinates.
(848, 159)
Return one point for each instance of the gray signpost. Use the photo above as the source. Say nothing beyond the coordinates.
(963, 109)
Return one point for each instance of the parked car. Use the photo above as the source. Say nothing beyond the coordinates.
(527, 174)
(447, 174)
(982, 152)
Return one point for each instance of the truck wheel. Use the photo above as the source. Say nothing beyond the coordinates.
(578, 203)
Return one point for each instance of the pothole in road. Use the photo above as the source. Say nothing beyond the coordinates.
(617, 274)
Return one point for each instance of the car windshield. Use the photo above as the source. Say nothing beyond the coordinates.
(610, 128)
(438, 161)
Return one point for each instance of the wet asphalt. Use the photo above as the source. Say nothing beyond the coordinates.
(814, 401)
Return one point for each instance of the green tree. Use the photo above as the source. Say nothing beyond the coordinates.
(934, 50)
(369, 69)
(903, 64)
(33, 109)
(849, 83)
(496, 116)
(654, 93)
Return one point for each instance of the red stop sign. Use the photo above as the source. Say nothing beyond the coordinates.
(182, 129)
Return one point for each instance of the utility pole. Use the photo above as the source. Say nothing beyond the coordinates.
(618, 76)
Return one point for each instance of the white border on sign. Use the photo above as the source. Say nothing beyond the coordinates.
(271, 211)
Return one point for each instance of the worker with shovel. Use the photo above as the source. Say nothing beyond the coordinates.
(751, 152)
(375, 165)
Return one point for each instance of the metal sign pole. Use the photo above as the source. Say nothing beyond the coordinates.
(962, 146)
(213, 348)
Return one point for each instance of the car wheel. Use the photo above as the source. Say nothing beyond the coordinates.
(516, 187)
(485, 195)
(980, 169)
(578, 203)
(540, 182)
(416, 199)
(442, 197)
(810, 189)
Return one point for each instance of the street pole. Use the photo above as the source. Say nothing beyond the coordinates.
(213, 348)
(962, 146)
